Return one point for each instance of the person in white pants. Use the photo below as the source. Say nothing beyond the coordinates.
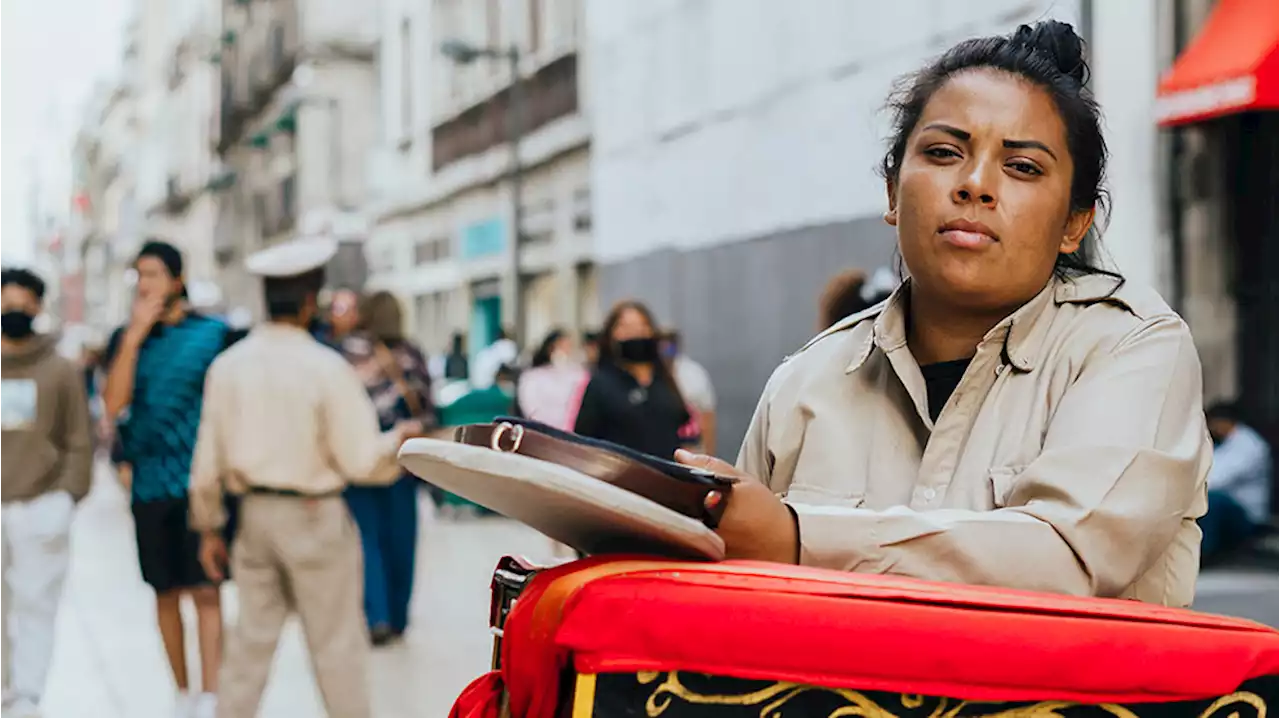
(47, 458)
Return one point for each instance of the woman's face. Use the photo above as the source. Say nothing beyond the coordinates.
(631, 325)
(982, 199)
(562, 346)
(344, 312)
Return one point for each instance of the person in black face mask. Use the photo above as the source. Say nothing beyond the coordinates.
(632, 398)
(48, 460)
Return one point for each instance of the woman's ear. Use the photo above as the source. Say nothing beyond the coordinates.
(891, 217)
(1077, 227)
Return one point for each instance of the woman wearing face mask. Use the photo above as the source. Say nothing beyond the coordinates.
(547, 389)
(632, 398)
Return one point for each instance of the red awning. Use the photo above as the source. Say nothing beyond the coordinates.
(1230, 66)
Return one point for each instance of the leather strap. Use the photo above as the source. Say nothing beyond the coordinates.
(292, 493)
(704, 503)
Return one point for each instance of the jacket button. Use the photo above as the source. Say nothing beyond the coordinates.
(929, 494)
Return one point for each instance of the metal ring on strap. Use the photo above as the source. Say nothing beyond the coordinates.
(517, 436)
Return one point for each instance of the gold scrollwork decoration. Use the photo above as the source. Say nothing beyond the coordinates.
(774, 698)
(1228, 706)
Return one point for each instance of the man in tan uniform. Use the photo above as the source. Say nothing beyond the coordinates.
(287, 424)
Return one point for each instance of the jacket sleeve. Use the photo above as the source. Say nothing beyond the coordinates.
(754, 458)
(1123, 463)
(207, 489)
(589, 418)
(76, 440)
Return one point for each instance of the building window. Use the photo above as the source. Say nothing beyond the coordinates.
(262, 213)
(288, 202)
(449, 27)
(539, 221)
(277, 47)
(406, 80)
(535, 25)
(582, 209)
(493, 23)
(430, 251)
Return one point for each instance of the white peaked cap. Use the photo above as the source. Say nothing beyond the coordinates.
(292, 258)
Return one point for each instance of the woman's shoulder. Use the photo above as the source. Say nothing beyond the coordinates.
(830, 353)
(1107, 311)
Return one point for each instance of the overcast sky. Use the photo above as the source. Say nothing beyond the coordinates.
(51, 53)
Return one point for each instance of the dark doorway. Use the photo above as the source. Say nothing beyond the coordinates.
(1253, 189)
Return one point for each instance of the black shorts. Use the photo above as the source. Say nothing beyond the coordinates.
(168, 550)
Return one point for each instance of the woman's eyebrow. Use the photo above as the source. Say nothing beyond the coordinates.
(964, 136)
(955, 132)
(1029, 145)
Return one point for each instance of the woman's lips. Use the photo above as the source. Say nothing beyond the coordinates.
(965, 239)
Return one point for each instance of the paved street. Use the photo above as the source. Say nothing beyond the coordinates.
(109, 662)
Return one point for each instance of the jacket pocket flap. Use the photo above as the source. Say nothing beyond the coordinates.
(1002, 480)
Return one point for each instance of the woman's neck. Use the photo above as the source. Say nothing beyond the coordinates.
(643, 372)
(938, 333)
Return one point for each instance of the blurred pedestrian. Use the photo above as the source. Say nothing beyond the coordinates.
(851, 291)
(591, 348)
(841, 297)
(1240, 482)
(632, 398)
(48, 465)
(456, 367)
(555, 378)
(696, 387)
(156, 366)
(288, 424)
(395, 374)
(496, 362)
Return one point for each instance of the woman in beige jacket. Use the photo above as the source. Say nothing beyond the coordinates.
(1014, 415)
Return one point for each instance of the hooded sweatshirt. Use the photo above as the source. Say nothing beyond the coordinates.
(46, 427)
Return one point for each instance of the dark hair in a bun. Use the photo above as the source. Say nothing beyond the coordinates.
(1059, 43)
(1052, 56)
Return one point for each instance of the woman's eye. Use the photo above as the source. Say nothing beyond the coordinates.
(941, 152)
(1026, 168)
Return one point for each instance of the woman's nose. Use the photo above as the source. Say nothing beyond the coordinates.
(964, 195)
(976, 185)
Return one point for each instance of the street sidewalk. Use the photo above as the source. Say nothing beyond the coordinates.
(109, 662)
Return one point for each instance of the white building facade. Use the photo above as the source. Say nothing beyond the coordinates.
(298, 88)
(176, 114)
(735, 145)
(442, 215)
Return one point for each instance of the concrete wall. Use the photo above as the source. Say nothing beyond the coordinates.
(743, 306)
(1126, 61)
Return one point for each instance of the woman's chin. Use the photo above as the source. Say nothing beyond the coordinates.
(968, 283)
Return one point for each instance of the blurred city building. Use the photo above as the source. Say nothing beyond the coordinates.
(110, 221)
(176, 113)
(444, 215)
(48, 216)
(1217, 114)
(298, 115)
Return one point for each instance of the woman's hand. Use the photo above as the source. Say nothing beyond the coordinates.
(756, 525)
